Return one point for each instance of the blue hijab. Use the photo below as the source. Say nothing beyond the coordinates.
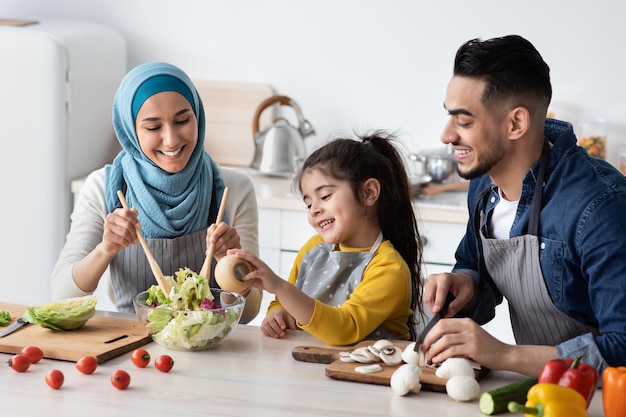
(169, 205)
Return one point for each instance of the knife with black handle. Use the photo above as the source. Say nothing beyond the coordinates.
(15, 326)
(434, 320)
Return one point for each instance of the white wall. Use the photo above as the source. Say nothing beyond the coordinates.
(365, 64)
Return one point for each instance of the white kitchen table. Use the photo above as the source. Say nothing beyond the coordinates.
(247, 375)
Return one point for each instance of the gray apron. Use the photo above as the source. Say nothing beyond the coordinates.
(331, 276)
(131, 272)
(514, 265)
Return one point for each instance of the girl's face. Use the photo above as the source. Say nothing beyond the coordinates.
(167, 130)
(335, 213)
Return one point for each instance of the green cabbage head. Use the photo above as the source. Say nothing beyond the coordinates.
(68, 314)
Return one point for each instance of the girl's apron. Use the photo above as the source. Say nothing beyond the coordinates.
(131, 272)
(514, 265)
(331, 276)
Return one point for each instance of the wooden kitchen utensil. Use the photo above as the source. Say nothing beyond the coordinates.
(154, 266)
(204, 272)
(338, 369)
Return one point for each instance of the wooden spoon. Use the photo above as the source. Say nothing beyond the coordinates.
(156, 270)
(204, 272)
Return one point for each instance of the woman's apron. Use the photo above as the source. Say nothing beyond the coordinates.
(331, 276)
(131, 272)
(514, 265)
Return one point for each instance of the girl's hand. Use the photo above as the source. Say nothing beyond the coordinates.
(276, 323)
(120, 230)
(224, 237)
(262, 277)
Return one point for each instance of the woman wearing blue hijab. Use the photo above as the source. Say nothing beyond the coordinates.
(173, 187)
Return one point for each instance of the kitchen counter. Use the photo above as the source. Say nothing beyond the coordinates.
(247, 375)
(276, 193)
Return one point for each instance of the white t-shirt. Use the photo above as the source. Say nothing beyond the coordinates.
(502, 217)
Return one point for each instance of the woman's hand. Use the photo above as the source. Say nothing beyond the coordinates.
(120, 230)
(224, 237)
(276, 323)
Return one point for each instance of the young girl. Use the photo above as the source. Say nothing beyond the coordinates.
(360, 276)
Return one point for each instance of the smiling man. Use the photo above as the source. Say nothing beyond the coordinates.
(546, 224)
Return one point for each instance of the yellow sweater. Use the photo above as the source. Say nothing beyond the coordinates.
(382, 297)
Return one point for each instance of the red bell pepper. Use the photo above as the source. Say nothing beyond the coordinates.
(573, 374)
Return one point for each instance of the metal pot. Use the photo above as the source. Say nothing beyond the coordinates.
(438, 164)
(280, 149)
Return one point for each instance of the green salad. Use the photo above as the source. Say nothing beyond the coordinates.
(5, 318)
(202, 322)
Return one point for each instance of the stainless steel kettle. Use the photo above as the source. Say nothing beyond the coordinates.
(280, 149)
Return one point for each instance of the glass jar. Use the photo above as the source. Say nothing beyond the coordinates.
(592, 135)
(622, 161)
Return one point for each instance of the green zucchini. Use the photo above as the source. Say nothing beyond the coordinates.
(497, 400)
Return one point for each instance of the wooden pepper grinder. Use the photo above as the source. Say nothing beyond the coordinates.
(230, 270)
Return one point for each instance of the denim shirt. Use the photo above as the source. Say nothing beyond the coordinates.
(582, 230)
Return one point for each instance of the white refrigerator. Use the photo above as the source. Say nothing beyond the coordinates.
(57, 82)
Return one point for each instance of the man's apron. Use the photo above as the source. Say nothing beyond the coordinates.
(514, 265)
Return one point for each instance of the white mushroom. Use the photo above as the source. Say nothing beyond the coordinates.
(380, 346)
(368, 369)
(391, 356)
(409, 355)
(406, 379)
(453, 367)
(462, 388)
(363, 355)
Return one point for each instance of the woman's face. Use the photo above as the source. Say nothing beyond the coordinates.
(167, 130)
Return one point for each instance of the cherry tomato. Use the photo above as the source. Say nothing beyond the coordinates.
(19, 362)
(87, 364)
(33, 353)
(120, 379)
(140, 357)
(55, 379)
(164, 363)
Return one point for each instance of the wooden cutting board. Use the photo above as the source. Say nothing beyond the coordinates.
(102, 337)
(338, 369)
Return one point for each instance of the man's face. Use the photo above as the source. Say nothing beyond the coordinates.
(472, 129)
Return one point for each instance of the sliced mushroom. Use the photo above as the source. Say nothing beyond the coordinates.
(363, 355)
(368, 369)
(380, 345)
(391, 356)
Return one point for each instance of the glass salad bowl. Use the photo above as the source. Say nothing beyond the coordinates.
(200, 329)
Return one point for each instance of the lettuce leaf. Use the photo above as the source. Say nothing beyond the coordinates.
(5, 318)
(68, 314)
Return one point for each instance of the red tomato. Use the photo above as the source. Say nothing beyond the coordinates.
(120, 379)
(87, 364)
(55, 379)
(19, 362)
(164, 363)
(140, 357)
(33, 353)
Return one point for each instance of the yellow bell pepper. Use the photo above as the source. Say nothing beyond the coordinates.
(614, 391)
(551, 400)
